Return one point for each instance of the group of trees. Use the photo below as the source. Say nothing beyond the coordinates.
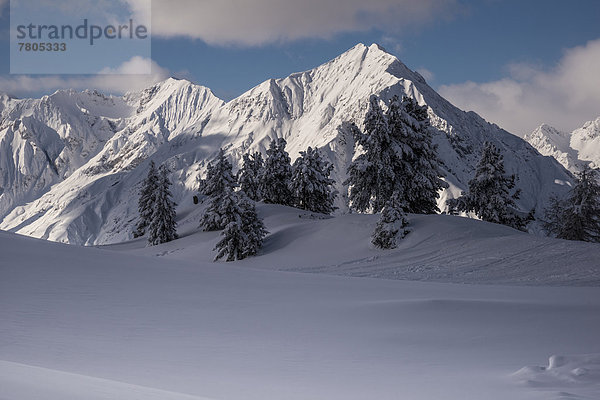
(489, 192)
(577, 217)
(398, 171)
(156, 207)
(231, 211)
(305, 184)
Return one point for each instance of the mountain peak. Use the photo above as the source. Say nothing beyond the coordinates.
(361, 51)
(182, 124)
(378, 47)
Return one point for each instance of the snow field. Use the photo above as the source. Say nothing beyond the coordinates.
(122, 322)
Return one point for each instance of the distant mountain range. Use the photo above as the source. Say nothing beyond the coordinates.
(71, 162)
(571, 149)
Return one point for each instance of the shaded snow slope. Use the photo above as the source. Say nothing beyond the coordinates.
(49, 193)
(440, 248)
(572, 150)
(93, 323)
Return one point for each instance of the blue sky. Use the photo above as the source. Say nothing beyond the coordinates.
(471, 51)
(477, 44)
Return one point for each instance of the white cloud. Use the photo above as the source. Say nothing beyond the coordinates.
(427, 74)
(136, 66)
(564, 96)
(392, 43)
(126, 79)
(257, 22)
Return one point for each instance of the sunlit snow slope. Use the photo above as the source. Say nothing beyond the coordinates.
(71, 163)
(572, 150)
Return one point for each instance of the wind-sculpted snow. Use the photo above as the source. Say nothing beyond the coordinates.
(86, 194)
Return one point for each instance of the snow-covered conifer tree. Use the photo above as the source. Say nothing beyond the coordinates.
(218, 183)
(219, 176)
(244, 231)
(418, 168)
(249, 175)
(163, 227)
(391, 225)
(371, 175)
(276, 174)
(399, 156)
(146, 201)
(489, 195)
(578, 216)
(311, 186)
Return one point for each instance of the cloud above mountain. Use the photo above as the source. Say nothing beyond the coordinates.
(564, 96)
(259, 22)
(126, 77)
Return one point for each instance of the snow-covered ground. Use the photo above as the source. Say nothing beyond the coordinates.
(441, 248)
(120, 322)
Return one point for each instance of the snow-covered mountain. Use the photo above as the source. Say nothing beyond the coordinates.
(71, 163)
(572, 150)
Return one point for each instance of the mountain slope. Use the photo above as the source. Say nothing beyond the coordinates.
(572, 150)
(184, 125)
(586, 141)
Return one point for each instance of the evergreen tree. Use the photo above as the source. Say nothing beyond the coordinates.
(311, 186)
(146, 201)
(163, 227)
(244, 232)
(276, 175)
(219, 176)
(218, 183)
(489, 195)
(578, 216)
(371, 175)
(212, 219)
(249, 175)
(391, 225)
(420, 173)
(253, 226)
(399, 156)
